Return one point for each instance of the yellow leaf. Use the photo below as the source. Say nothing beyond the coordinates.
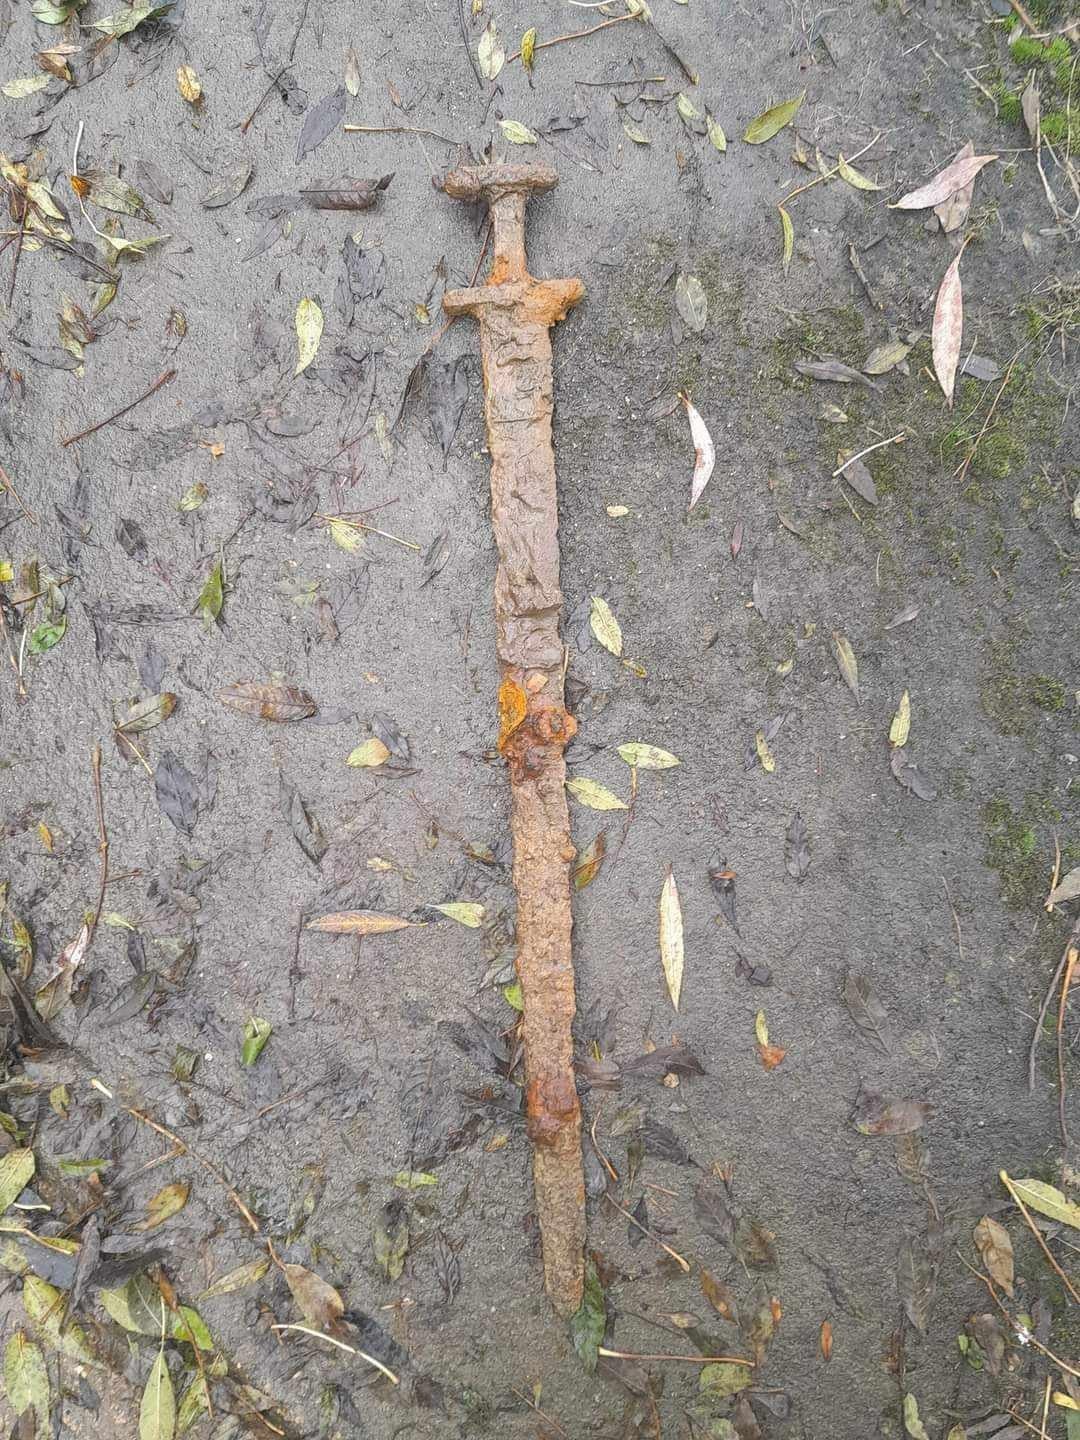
(787, 230)
(23, 86)
(846, 662)
(761, 1029)
(671, 937)
(345, 535)
(764, 754)
(901, 723)
(1037, 1195)
(359, 922)
(528, 47)
(309, 328)
(647, 757)
(188, 84)
(604, 626)
(45, 835)
(370, 754)
(518, 134)
(465, 912)
(853, 177)
(594, 795)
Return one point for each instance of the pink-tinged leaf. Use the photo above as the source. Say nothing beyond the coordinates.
(959, 172)
(953, 211)
(948, 329)
(704, 452)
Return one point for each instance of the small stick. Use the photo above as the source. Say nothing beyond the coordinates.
(1023, 14)
(956, 921)
(1038, 1236)
(294, 968)
(330, 1340)
(654, 1238)
(103, 839)
(399, 130)
(685, 1359)
(465, 41)
(1069, 948)
(892, 440)
(533, 1405)
(162, 379)
(574, 35)
(9, 486)
(1066, 982)
(263, 99)
(18, 250)
(828, 173)
(20, 686)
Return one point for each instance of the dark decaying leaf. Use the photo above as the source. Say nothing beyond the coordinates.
(769, 732)
(368, 1335)
(874, 1115)
(635, 1233)
(980, 368)
(345, 193)
(722, 880)
(448, 392)
(866, 1009)
(909, 775)
(132, 538)
(797, 848)
(723, 1219)
(154, 181)
(840, 1291)
(435, 557)
(229, 185)
(856, 474)
(480, 1042)
(306, 830)
(387, 731)
(390, 1238)
(362, 279)
(131, 998)
(177, 792)
(759, 974)
(587, 1325)
(916, 1277)
(282, 703)
(318, 1301)
(664, 1060)
(319, 122)
(987, 1333)
(662, 1143)
(834, 370)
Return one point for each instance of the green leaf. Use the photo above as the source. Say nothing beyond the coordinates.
(82, 1167)
(770, 122)
(465, 912)
(1037, 1195)
(49, 14)
(912, 1424)
(44, 636)
(647, 757)
(787, 232)
(725, 1378)
(854, 177)
(44, 1305)
(238, 1279)
(513, 996)
(16, 1172)
(194, 1403)
(137, 1307)
(168, 1201)
(413, 1179)
(716, 134)
(256, 1033)
(124, 21)
(588, 1322)
(24, 85)
(194, 496)
(518, 134)
(309, 328)
(212, 596)
(594, 795)
(25, 1376)
(157, 1413)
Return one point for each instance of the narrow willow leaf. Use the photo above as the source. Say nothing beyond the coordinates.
(352, 72)
(787, 230)
(157, 1412)
(764, 752)
(594, 795)
(901, 722)
(528, 47)
(671, 937)
(955, 176)
(1047, 1200)
(44, 1305)
(846, 662)
(359, 922)
(647, 757)
(309, 328)
(16, 1172)
(686, 107)
(413, 1179)
(704, 452)
(948, 329)
(167, 1202)
(853, 177)
(589, 861)
(604, 626)
(212, 596)
(518, 134)
(124, 21)
(238, 1279)
(636, 133)
(716, 134)
(465, 912)
(912, 1424)
(770, 122)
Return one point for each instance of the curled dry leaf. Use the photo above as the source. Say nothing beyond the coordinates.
(955, 176)
(671, 937)
(854, 177)
(344, 193)
(318, 1301)
(517, 133)
(948, 329)
(770, 1055)
(704, 451)
(589, 861)
(604, 626)
(490, 55)
(189, 84)
(268, 702)
(465, 912)
(359, 922)
(908, 774)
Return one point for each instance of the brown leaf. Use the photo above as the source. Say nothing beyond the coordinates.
(874, 1115)
(589, 861)
(268, 702)
(916, 1281)
(345, 193)
(826, 1341)
(948, 329)
(953, 211)
(720, 1296)
(319, 1303)
(994, 1245)
(358, 922)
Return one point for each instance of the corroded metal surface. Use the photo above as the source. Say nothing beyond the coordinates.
(516, 313)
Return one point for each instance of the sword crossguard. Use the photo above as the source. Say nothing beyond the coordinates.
(506, 189)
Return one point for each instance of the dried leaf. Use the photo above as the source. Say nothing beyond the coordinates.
(352, 72)
(994, 1245)
(370, 754)
(189, 84)
(770, 122)
(903, 617)
(177, 792)
(764, 754)
(688, 111)
(846, 662)
(955, 176)
(447, 396)
(770, 1055)
(908, 774)
(671, 937)
(916, 1281)
(886, 357)
(23, 86)
(413, 1179)
(948, 329)
(866, 1009)
(588, 1323)
(145, 714)
(825, 1341)
(359, 922)
(635, 133)
(318, 1301)
(319, 122)
(345, 193)
(239, 1279)
(797, 848)
(229, 185)
(853, 177)
(912, 1424)
(588, 863)
(390, 1239)
(1046, 1199)
(604, 626)
(282, 703)
(725, 1378)
(716, 135)
(16, 1172)
(256, 1033)
(594, 795)
(309, 328)
(490, 55)
(787, 236)
(704, 451)
(691, 302)
(720, 1296)
(465, 912)
(528, 47)
(834, 370)
(518, 134)
(212, 595)
(647, 757)
(168, 1201)
(1067, 888)
(874, 1115)
(901, 722)
(157, 1412)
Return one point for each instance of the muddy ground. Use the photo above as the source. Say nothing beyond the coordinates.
(389, 1054)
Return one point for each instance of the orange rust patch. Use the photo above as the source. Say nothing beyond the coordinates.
(512, 707)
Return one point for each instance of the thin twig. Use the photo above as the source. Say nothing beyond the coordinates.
(1038, 1235)
(263, 99)
(575, 35)
(341, 1345)
(1066, 982)
(654, 1238)
(686, 1359)
(1069, 948)
(399, 130)
(103, 839)
(9, 486)
(460, 6)
(547, 1419)
(1023, 14)
(162, 379)
(956, 922)
(892, 440)
(1021, 1330)
(18, 249)
(20, 685)
(828, 175)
